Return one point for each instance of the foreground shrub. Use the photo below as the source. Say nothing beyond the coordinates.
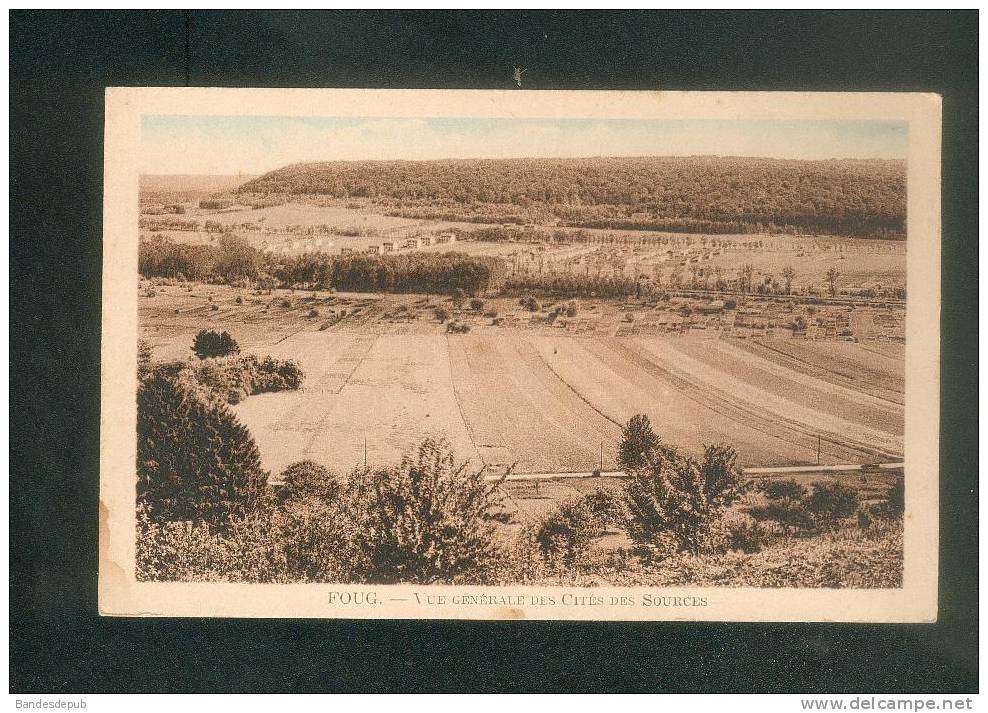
(831, 502)
(893, 506)
(425, 520)
(301, 541)
(846, 558)
(565, 535)
(790, 515)
(676, 500)
(233, 379)
(308, 479)
(316, 540)
(744, 533)
(145, 353)
(783, 490)
(208, 343)
(195, 460)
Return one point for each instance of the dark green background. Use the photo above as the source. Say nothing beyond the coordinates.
(59, 66)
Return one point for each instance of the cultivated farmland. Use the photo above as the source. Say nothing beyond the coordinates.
(538, 395)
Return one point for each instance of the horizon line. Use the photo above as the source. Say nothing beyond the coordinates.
(540, 158)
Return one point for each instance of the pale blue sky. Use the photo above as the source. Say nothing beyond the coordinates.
(255, 144)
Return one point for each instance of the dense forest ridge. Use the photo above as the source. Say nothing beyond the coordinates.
(703, 194)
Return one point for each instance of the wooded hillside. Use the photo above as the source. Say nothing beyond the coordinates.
(684, 194)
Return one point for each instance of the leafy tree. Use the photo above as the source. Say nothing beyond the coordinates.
(832, 274)
(679, 500)
(788, 275)
(638, 441)
(425, 520)
(195, 460)
(208, 343)
(745, 273)
(236, 259)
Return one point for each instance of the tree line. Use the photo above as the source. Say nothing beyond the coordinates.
(233, 261)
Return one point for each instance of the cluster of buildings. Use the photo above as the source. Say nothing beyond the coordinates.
(393, 246)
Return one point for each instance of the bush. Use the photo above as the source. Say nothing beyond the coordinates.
(442, 314)
(895, 497)
(831, 502)
(426, 520)
(792, 516)
(476, 304)
(302, 541)
(678, 500)
(313, 312)
(195, 460)
(572, 308)
(565, 535)
(457, 328)
(744, 533)
(783, 490)
(531, 304)
(893, 506)
(233, 379)
(307, 479)
(208, 343)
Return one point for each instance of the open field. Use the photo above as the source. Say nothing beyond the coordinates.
(541, 396)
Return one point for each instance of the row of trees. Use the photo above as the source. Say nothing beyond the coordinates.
(448, 272)
(692, 194)
(233, 261)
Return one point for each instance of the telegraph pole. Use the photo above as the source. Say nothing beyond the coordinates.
(365, 453)
(818, 449)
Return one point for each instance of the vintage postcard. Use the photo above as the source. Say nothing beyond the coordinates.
(520, 355)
